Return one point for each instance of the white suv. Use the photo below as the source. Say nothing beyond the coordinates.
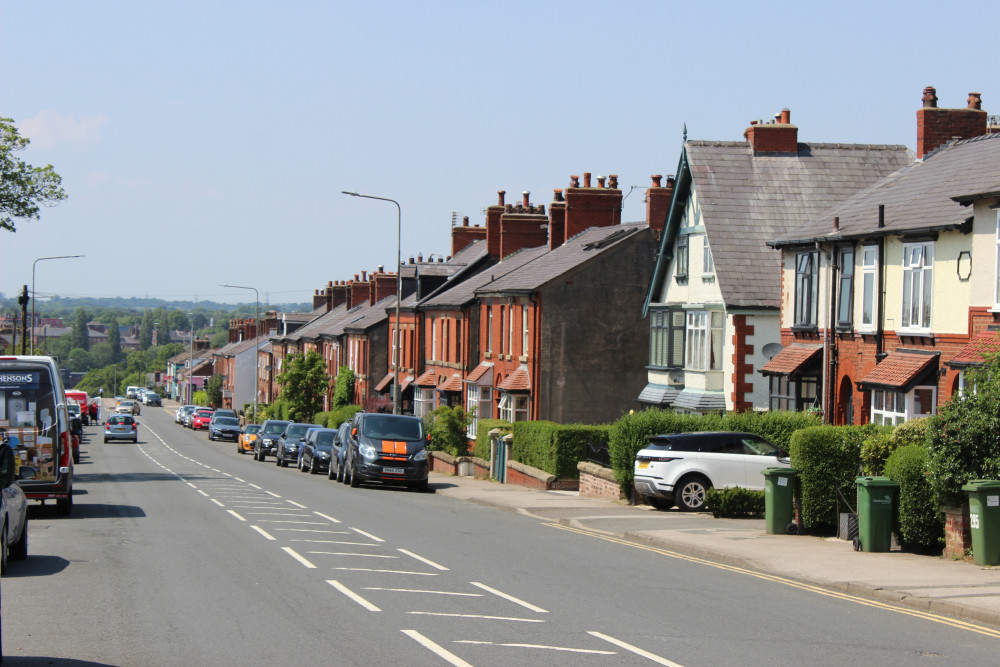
(680, 468)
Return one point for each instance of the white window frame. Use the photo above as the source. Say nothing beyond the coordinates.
(918, 287)
(514, 407)
(479, 399)
(524, 331)
(704, 340)
(489, 328)
(893, 407)
(996, 281)
(434, 339)
(869, 275)
(806, 311)
(707, 261)
(423, 401)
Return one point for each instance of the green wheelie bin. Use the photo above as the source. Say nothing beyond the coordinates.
(779, 496)
(984, 519)
(876, 502)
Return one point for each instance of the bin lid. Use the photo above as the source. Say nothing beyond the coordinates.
(778, 472)
(875, 481)
(982, 485)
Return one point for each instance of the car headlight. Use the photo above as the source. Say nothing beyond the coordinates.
(366, 451)
(421, 455)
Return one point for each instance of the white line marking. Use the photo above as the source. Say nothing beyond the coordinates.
(291, 552)
(365, 569)
(240, 480)
(438, 650)
(217, 502)
(255, 486)
(413, 590)
(422, 559)
(340, 553)
(271, 493)
(350, 544)
(634, 649)
(236, 515)
(526, 605)
(292, 502)
(324, 532)
(351, 594)
(308, 523)
(274, 514)
(202, 493)
(328, 518)
(490, 618)
(541, 646)
(264, 533)
(192, 485)
(368, 535)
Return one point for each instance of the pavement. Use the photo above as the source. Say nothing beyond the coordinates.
(954, 588)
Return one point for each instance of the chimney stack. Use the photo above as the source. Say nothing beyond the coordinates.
(493, 214)
(658, 203)
(779, 137)
(936, 127)
(588, 207)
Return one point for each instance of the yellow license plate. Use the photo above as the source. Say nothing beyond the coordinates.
(643, 465)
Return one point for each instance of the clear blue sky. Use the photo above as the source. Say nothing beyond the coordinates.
(208, 142)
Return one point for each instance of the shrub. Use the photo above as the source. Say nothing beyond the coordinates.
(200, 398)
(735, 503)
(483, 428)
(876, 448)
(447, 426)
(343, 390)
(921, 524)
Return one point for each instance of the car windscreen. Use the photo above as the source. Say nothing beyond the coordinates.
(296, 430)
(325, 439)
(227, 421)
(252, 429)
(274, 428)
(120, 419)
(392, 428)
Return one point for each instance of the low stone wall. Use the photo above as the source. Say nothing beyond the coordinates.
(462, 466)
(533, 478)
(596, 481)
(957, 532)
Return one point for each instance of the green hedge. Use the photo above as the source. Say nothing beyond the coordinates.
(631, 433)
(877, 447)
(735, 503)
(828, 457)
(554, 448)
(921, 523)
(483, 428)
(334, 418)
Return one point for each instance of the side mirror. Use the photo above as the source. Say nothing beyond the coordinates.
(354, 431)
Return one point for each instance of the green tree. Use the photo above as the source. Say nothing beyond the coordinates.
(115, 339)
(304, 384)
(343, 392)
(146, 330)
(79, 360)
(23, 188)
(213, 389)
(162, 327)
(81, 335)
(178, 320)
(447, 427)
(102, 355)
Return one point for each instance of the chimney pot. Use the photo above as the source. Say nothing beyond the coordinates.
(524, 198)
(574, 181)
(586, 179)
(670, 180)
(836, 223)
(930, 97)
(975, 101)
(600, 182)
(381, 268)
(465, 221)
(500, 194)
(364, 276)
(557, 195)
(786, 116)
(411, 260)
(420, 257)
(656, 180)
(613, 181)
(355, 277)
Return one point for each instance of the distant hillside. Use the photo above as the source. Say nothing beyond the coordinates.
(136, 304)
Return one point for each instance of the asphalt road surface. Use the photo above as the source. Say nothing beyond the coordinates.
(179, 551)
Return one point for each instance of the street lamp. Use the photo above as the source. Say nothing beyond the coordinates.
(256, 332)
(40, 259)
(399, 295)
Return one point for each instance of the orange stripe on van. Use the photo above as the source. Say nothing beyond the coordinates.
(394, 447)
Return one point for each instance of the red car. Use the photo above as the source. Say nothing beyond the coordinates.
(201, 419)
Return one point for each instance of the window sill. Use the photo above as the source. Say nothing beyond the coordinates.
(708, 278)
(805, 328)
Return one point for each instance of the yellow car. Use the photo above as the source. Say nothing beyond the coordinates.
(248, 436)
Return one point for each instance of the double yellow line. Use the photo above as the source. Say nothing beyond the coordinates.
(927, 616)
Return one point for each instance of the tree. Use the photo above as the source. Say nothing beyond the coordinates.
(115, 339)
(213, 388)
(81, 334)
(162, 327)
(178, 320)
(23, 187)
(343, 392)
(79, 360)
(447, 427)
(304, 384)
(146, 330)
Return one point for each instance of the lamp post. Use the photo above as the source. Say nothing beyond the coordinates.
(399, 295)
(190, 372)
(40, 259)
(256, 332)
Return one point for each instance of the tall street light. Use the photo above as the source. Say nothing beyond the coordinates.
(256, 361)
(40, 259)
(399, 295)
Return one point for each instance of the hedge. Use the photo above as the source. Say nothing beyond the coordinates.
(921, 523)
(735, 503)
(334, 418)
(483, 428)
(554, 448)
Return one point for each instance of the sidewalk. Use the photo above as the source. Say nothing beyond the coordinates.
(951, 588)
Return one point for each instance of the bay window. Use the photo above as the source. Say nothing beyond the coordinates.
(704, 340)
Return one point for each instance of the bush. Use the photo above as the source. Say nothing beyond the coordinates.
(334, 418)
(447, 426)
(483, 428)
(200, 398)
(735, 503)
(921, 524)
(828, 457)
(343, 391)
(876, 448)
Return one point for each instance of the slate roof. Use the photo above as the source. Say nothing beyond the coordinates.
(901, 370)
(551, 264)
(658, 394)
(925, 195)
(465, 292)
(370, 316)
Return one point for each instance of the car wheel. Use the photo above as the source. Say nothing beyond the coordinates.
(76, 457)
(659, 503)
(355, 482)
(313, 469)
(19, 550)
(331, 474)
(690, 493)
(420, 487)
(105, 441)
(64, 506)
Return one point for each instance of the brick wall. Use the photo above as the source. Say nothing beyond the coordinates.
(658, 203)
(936, 127)
(598, 482)
(522, 230)
(463, 236)
(957, 532)
(742, 398)
(557, 220)
(588, 206)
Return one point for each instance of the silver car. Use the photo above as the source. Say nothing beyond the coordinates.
(121, 427)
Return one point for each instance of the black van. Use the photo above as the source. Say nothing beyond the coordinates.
(33, 413)
(391, 449)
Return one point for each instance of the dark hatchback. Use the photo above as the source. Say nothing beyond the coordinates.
(267, 439)
(289, 442)
(224, 428)
(388, 449)
(317, 448)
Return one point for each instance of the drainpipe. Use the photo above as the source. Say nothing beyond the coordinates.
(880, 310)
(824, 387)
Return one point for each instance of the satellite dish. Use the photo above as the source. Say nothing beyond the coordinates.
(772, 349)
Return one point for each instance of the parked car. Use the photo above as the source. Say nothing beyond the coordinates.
(390, 449)
(201, 418)
(181, 411)
(13, 507)
(289, 442)
(81, 399)
(224, 428)
(188, 416)
(316, 450)
(121, 427)
(267, 439)
(75, 418)
(151, 398)
(336, 469)
(132, 392)
(127, 407)
(679, 468)
(248, 436)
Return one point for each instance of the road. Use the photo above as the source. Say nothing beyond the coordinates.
(179, 551)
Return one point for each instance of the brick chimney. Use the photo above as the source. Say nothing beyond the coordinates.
(778, 136)
(462, 237)
(493, 214)
(658, 203)
(339, 294)
(385, 285)
(523, 226)
(936, 127)
(359, 290)
(588, 207)
(557, 219)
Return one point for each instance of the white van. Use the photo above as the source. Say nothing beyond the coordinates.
(33, 415)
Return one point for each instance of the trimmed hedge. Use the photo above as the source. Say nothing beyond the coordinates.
(554, 448)
(735, 503)
(921, 524)
(876, 448)
(334, 418)
(483, 428)
(631, 433)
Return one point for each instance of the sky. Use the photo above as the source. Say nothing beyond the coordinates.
(207, 143)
